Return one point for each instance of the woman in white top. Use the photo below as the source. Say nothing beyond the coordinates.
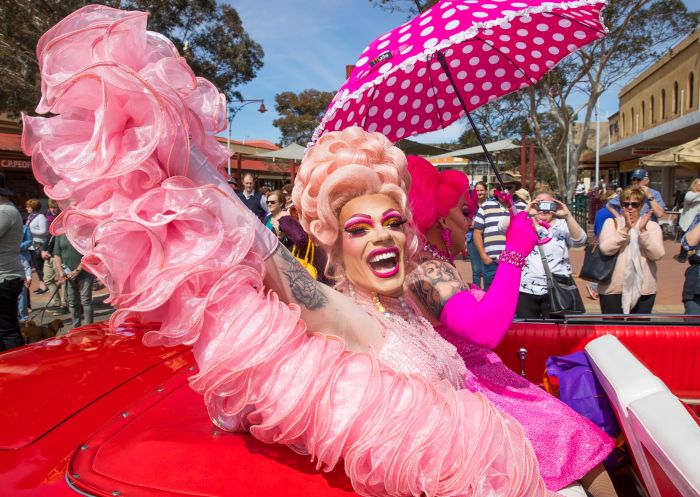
(691, 207)
(565, 232)
(39, 226)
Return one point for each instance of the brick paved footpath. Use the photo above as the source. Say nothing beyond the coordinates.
(668, 299)
(670, 277)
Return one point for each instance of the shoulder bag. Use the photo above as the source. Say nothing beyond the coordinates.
(564, 297)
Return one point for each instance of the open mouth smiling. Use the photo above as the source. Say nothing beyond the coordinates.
(384, 262)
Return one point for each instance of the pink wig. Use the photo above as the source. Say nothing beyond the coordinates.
(433, 193)
(343, 165)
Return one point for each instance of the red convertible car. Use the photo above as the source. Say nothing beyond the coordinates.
(95, 412)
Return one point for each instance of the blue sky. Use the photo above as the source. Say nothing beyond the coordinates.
(307, 45)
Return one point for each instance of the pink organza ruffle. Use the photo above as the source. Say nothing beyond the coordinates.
(130, 154)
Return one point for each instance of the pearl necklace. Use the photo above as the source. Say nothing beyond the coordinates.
(439, 254)
(376, 301)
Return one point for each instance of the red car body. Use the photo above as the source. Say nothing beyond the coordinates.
(97, 413)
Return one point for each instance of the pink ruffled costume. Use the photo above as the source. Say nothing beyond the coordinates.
(129, 156)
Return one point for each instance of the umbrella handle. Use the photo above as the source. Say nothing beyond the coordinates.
(446, 68)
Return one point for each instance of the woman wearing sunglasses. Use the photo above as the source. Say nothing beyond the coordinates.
(638, 241)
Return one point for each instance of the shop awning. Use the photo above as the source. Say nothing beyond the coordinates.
(686, 155)
(497, 146)
(292, 151)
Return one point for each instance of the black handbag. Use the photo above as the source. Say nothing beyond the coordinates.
(596, 265)
(564, 297)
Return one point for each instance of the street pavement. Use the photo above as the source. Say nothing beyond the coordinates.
(668, 299)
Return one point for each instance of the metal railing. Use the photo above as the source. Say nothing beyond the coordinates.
(579, 208)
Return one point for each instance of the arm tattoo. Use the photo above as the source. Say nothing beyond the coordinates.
(434, 284)
(305, 289)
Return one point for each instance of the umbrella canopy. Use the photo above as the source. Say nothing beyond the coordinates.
(292, 151)
(402, 82)
(687, 155)
(491, 147)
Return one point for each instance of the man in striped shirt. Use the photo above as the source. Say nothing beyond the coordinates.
(489, 241)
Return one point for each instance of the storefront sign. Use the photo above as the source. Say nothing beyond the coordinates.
(15, 164)
(648, 150)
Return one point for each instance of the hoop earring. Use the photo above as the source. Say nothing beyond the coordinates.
(447, 239)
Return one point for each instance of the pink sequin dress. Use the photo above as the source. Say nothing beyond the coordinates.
(129, 152)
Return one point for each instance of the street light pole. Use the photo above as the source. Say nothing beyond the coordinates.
(232, 113)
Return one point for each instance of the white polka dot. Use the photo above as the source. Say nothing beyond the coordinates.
(520, 58)
(427, 31)
(553, 50)
(580, 35)
(425, 21)
(427, 124)
(505, 50)
(372, 127)
(414, 120)
(522, 32)
(452, 25)
(571, 47)
(385, 68)
(387, 113)
(519, 74)
(450, 89)
(489, 6)
(401, 116)
(538, 40)
(416, 103)
(487, 32)
(542, 27)
(346, 106)
(455, 63)
(405, 27)
(486, 86)
(467, 49)
(421, 72)
(549, 64)
(441, 103)
(404, 37)
(480, 73)
(494, 59)
(487, 47)
(456, 102)
(400, 132)
(338, 124)
(462, 75)
(564, 23)
(525, 19)
(448, 13)
(468, 87)
(383, 45)
(506, 25)
(361, 61)
(442, 77)
(361, 110)
(350, 116)
(389, 97)
(405, 84)
(480, 15)
(534, 67)
(429, 108)
(373, 110)
(558, 37)
(418, 88)
(430, 43)
(474, 100)
(391, 81)
(403, 100)
(500, 72)
(435, 66)
(473, 61)
(518, 5)
(386, 130)
(536, 54)
(504, 38)
(521, 45)
(449, 52)
(406, 49)
(431, 92)
(505, 86)
(385, 36)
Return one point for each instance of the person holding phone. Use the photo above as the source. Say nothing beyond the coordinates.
(564, 232)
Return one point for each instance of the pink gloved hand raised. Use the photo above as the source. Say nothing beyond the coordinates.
(486, 322)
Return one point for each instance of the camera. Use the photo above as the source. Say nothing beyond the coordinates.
(546, 206)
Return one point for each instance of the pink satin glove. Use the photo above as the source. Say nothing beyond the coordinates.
(521, 236)
(504, 197)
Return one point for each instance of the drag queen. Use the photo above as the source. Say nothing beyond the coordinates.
(359, 377)
(476, 323)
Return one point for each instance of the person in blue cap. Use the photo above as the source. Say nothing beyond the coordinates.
(654, 202)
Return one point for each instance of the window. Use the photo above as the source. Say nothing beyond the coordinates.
(663, 104)
(634, 125)
(651, 110)
(643, 115)
(691, 91)
(676, 106)
(623, 126)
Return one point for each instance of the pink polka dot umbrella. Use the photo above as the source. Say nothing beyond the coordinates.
(453, 58)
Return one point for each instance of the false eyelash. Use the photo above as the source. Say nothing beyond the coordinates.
(357, 229)
(397, 223)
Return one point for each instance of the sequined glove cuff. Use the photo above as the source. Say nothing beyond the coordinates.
(511, 257)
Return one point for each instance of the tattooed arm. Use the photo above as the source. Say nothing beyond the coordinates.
(433, 283)
(323, 309)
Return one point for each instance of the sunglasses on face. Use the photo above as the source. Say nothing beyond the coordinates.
(634, 205)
